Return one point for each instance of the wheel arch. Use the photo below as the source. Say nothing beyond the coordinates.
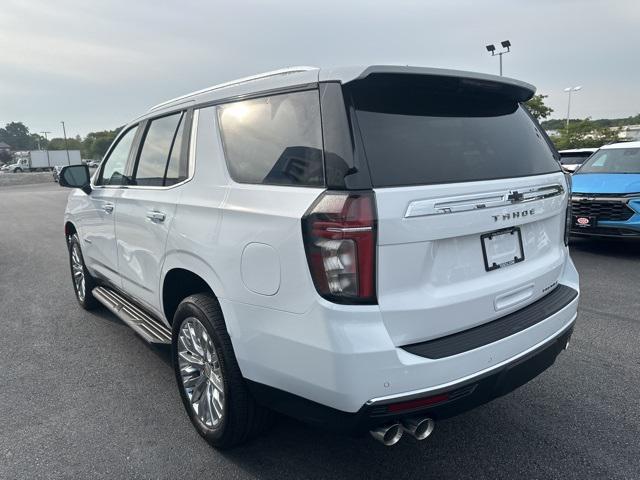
(184, 275)
(69, 228)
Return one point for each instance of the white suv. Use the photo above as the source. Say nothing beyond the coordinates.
(365, 249)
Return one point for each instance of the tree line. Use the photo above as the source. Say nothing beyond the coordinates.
(93, 146)
(581, 133)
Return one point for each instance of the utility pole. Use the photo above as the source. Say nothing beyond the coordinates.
(570, 90)
(66, 145)
(492, 50)
(45, 137)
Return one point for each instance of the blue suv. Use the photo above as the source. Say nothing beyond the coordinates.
(606, 193)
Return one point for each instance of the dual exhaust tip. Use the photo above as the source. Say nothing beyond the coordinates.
(418, 428)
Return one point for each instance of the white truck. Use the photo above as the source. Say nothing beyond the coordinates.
(43, 160)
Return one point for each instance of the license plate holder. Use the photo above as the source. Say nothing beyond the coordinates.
(584, 221)
(502, 248)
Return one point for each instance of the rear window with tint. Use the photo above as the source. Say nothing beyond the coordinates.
(274, 140)
(417, 134)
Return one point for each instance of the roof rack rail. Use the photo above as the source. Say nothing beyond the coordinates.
(282, 71)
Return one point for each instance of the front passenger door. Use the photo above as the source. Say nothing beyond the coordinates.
(97, 224)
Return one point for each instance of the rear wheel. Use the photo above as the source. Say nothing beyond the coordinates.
(83, 282)
(211, 385)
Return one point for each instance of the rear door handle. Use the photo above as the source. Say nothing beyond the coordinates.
(108, 207)
(156, 217)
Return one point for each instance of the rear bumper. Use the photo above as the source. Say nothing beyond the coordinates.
(343, 358)
(439, 403)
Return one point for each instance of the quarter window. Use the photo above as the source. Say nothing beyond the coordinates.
(162, 143)
(274, 140)
(114, 166)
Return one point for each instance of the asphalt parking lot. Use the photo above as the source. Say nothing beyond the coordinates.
(83, 397)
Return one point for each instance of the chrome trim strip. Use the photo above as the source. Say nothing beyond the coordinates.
(460, 382)
(466, 203)
(349, 229)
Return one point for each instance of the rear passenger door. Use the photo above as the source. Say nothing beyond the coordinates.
(147, 207)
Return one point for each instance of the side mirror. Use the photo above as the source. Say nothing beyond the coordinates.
(76, 176)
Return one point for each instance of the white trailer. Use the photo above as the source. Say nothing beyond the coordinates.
(37, 160)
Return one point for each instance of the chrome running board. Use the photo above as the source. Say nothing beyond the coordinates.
(150, 329)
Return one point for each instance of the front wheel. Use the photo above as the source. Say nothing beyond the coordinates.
(211, 385)
(83, 282)
(17, 170)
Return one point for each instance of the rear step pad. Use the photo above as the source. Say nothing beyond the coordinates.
(150, 329)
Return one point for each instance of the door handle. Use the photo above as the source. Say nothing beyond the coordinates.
(156, 217)
(108, 207)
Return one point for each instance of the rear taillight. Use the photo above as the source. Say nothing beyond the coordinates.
(339, 232)
(568, 218)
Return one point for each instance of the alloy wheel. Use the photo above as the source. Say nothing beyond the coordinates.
(77, 270)
(200, 372)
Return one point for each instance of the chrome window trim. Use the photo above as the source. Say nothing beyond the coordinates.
(191, 164)
(466, 203)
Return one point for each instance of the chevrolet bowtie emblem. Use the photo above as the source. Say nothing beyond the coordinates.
(515, 196)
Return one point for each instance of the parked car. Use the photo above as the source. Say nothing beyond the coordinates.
(365, 249)
(573, 158)
(606, 193)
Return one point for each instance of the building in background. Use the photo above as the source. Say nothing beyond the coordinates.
(629, 133)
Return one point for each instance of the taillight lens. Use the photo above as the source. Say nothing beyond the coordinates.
(568, 217)
(339, 232)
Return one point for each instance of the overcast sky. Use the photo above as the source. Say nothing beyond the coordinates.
(97, 64)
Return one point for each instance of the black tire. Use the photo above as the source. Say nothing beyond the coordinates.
(17, 170)
(86, 298)
(243, 418)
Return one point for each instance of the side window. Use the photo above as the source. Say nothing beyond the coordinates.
(114, 166)
(161, 142)
(274, 140)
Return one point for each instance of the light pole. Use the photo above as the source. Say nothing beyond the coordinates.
(45, 137)
(66, 146)
(570, 90)
(492, 50)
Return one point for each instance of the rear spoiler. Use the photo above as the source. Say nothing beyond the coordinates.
(509, 87)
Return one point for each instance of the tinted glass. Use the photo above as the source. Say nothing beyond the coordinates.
(114, 166)
(417, 135)
(156, 149)
(274, 140)
(613, 160)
